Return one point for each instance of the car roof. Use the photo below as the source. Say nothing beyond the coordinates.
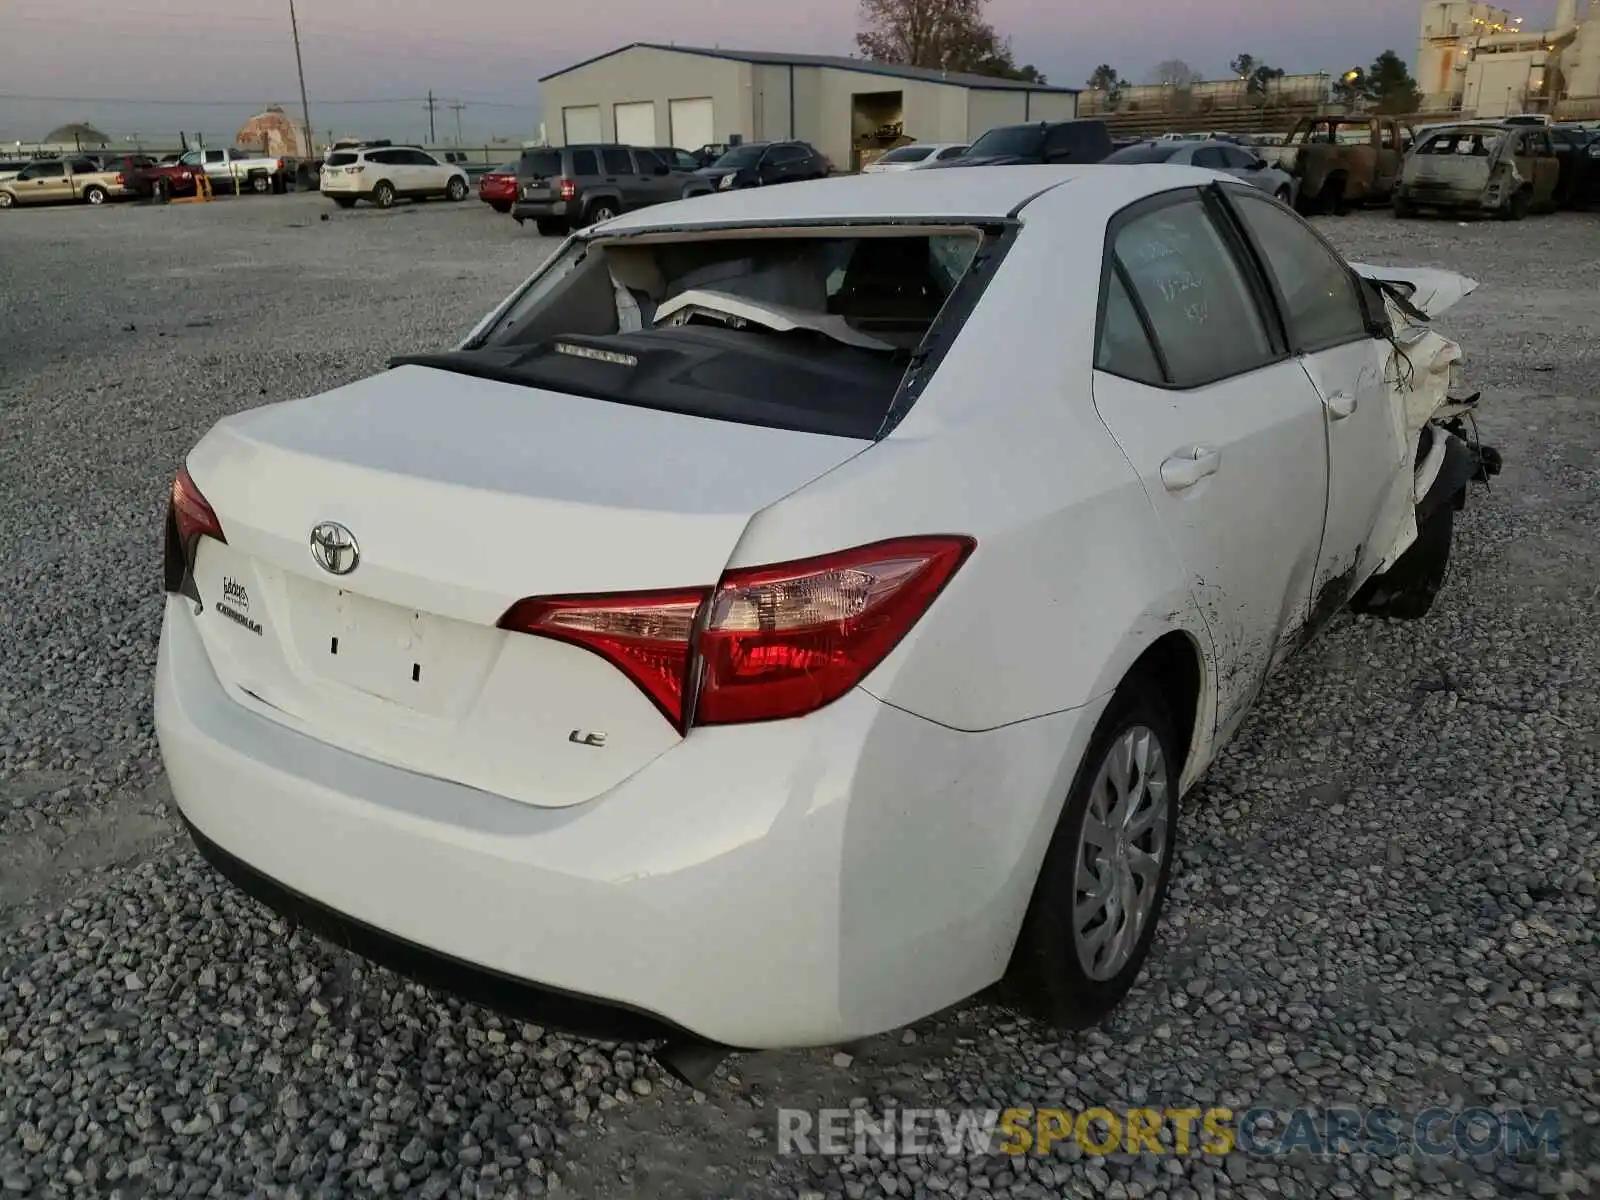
(975, 193)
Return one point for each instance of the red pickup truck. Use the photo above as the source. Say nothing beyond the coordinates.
(229, 171)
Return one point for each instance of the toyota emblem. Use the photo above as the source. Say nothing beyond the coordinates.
(334, 547)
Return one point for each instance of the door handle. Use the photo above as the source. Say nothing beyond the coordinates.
(1188, 467)
(1340, 405)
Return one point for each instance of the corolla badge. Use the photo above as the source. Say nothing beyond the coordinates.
(334, 548)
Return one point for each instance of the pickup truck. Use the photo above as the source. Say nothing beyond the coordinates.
(229, 171)
(58, 180)
(1342, 162)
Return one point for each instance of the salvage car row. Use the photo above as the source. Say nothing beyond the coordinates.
(1325, 165)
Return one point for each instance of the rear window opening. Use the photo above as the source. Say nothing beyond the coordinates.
(1474, 144)
(907, 154)
(342, 159)
(803, 329)
(540, 163)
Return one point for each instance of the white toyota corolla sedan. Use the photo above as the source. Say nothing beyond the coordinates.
(793, 611)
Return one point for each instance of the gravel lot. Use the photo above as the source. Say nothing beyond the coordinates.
(1387, 894)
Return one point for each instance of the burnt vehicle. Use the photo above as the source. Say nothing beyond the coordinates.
(1342, 163)
(1503, 169)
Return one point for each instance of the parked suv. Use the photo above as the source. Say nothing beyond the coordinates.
(1039, 142)
(752, 164)
(390, 173)
(563, 187)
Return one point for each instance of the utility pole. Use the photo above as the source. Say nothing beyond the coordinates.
(456, 108)
(299, 66)
(432, 137)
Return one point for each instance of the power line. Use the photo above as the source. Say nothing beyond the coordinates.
(456, 108)
(256, 103)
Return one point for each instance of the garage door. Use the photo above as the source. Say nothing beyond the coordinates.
(692, 123)
(581, 124)
(636, 123)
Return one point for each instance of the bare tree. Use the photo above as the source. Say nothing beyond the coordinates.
(1175, 73)
(948, 35)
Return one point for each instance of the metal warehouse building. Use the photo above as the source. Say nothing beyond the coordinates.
(653, 95)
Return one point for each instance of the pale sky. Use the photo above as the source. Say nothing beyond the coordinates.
(216, 63)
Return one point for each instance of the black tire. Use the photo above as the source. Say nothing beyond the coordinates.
(501, 206)
(345, 201)
(94, 195)
(1285, 195)
(1403, 209)
(160, 191)
(456, 190)
(1520, 205)
(551, 227)
(7, 200)
(1047, 975)
(261, 184)
(383, 194)
(1407, 590)
(600, 210)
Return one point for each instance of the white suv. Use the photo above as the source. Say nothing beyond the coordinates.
(389, 173)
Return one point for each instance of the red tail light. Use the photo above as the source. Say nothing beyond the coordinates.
(189, 518)
(193, 514)
(786, 640)
(119, 179)
(645, 634)
(569, 188)
(772, 642)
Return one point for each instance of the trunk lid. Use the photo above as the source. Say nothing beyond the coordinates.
(462, 496)
(1456, 176)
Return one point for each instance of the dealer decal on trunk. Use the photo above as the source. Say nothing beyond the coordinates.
(235, 605)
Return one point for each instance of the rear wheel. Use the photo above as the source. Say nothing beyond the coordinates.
(1104, 880)
(1404, 209)
(1520, 204)
(94, 195)
(501, 206)
(7, 199)
(457, 188)
(551, 228)
(161, 190)
(1285, 195)
(383, 195)
(600, 210)
(261, 184)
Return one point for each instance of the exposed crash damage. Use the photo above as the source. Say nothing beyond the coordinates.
(1504, 170)
(1424, 369)
(1341, 162)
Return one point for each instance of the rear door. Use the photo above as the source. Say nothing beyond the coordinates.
(1369, 475)
(619, 173)
(1194, 382)
(1391, 154)
(785, 164)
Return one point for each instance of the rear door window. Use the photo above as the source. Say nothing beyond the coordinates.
(616, 161)
(540, 163)
(648, 163)
(1194, 293)
(1123, 347)
(585, 163)
(1211, 158)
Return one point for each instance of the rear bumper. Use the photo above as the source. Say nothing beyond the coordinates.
(543, 210)
(798, 882)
